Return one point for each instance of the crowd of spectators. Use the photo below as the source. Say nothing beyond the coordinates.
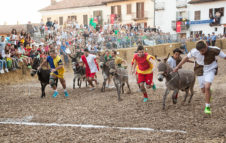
(20, 47)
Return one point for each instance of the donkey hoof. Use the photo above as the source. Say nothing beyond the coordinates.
(120, 99)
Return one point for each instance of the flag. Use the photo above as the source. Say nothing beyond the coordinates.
(178, 26)
(112, 18)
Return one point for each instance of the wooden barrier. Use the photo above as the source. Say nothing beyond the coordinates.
(15, 77)
(159, 50)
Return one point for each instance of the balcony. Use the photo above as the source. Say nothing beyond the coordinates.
(181, 4)
(137, 17)
(182, 15)
(159, 6)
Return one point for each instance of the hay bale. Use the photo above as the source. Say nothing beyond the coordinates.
(219, 43)
(149, 50)
(169, 49)
(15, 77)
(190, 45)
(223, 42)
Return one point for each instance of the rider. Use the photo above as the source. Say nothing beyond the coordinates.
(205, 67)
(57, 71)
(144, 64)
(91, 66)
(118, 60)
(174, 60)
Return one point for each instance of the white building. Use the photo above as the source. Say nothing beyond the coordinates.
(193, 15)
(201, 11)
(125, 11)
(165, 13)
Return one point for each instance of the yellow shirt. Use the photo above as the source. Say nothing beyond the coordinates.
(150, 69)
(118, 60)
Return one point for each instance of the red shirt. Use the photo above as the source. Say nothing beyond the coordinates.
(142, 62)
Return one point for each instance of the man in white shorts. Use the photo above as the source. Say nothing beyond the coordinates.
(205, 67)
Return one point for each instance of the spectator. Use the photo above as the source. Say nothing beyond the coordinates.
(213, 39)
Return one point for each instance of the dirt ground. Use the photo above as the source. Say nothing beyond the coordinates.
(94, 107)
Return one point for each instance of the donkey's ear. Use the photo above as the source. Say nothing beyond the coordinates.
(157, 58)
(166, 58)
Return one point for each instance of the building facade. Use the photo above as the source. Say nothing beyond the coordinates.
(191, 17)
(207, 17)
(123, 11)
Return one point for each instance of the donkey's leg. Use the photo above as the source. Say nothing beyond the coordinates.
(186, 95)
(127, 82)
(74, 82)
(174, 96)
(43, 90)
(103, 86)
(164, 98)
(123, 84)
(192, 93)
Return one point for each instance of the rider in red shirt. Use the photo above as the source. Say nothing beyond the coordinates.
(143, 62)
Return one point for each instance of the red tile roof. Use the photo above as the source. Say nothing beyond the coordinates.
(202, 1)
(65, 4)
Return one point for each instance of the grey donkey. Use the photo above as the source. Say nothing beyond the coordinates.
(105, 71)
(120, 77)
(183, 80)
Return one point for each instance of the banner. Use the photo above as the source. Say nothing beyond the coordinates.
(92, 23)
(200, 22)
(112, 18)
(178, 26)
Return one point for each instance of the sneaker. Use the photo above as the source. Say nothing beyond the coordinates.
(154, 87)
(55, 94)
(145, 99)
(6, 70)
(2, 71)
(66, 94)
(29, 67)
(91, 89)
(207, 110)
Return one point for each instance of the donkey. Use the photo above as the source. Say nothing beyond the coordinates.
(105, 72)
(183, 80)
(43, 75)
(120, 77)
(79, 71)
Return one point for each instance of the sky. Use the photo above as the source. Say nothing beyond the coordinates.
(22, 11)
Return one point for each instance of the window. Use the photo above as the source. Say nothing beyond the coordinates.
(85, 19)
(72, 17)
(129, 9)
(197, 15)
(140, 10)
(112, 9)
(98, 14)
(61, 20)
(216, 29)
(213, 11)
(119, 11)
(49, 18)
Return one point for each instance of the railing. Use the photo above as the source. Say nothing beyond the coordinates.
(182, 15)
(123, 41)
(181, 3)
(160, 6)
(136, 16)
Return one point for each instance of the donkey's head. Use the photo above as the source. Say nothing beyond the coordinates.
(163, 68)
(35, 65)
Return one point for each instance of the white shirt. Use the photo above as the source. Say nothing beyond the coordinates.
(199, 58)
(92, 65)
(172, 62)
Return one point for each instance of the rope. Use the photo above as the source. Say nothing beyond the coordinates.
(174, 78)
